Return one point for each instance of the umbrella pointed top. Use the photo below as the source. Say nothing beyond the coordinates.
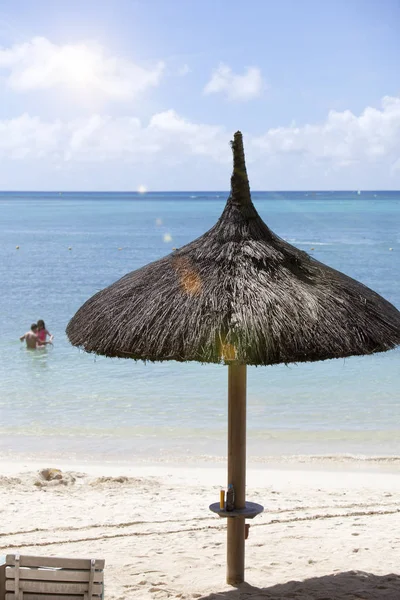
(238, 292)
(240, 188)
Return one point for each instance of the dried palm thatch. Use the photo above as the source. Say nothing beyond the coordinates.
(238, 292)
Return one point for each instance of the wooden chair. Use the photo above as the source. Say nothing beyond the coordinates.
(49, 578)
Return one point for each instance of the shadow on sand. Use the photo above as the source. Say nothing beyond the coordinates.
(352, 585)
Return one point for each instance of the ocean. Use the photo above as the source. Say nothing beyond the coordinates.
(57, 249)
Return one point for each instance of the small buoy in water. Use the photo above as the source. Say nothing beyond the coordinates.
(391, 249)
(69, 248)
(17, 247)
(119, 248)
(312, 248)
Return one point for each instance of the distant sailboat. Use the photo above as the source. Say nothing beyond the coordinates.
(358, 192)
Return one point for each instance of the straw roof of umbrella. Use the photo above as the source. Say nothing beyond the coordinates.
(238, 292)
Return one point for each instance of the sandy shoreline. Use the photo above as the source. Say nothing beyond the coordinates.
(334, 531)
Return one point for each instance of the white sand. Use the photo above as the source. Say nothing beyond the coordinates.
(324, 535)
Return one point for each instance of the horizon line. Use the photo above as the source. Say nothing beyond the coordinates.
(94, 191)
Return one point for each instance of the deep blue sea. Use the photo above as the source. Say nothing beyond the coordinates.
(60, 401)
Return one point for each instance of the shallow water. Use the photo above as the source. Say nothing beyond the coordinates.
(62, 400)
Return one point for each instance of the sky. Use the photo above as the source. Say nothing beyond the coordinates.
(146, 94)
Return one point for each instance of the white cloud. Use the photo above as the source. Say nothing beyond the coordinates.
(342, 140)
(83, 68)
(103, 138)
(235, 87)
(177, 133)
(29, 137)
(345, 147)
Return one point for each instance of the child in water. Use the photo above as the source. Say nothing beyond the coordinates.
(42, 332)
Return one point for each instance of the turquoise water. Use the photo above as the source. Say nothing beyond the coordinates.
(62, 401)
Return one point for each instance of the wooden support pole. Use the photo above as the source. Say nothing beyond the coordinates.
(236, 469)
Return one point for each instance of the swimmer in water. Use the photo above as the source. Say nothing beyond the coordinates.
(31, 338)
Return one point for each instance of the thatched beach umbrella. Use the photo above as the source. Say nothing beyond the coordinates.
(239, 295)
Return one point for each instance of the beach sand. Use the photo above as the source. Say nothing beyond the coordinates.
(326, 534)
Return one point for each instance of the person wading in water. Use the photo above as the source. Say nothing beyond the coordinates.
(32, 339)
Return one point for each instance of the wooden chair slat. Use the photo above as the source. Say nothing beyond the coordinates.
(56, 562)
(27, 596)
(52, 587)
(44, 574)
